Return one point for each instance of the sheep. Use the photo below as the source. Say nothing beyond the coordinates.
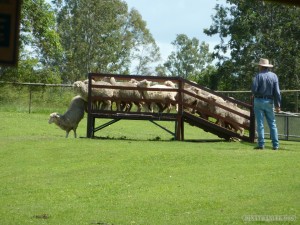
(189, 100)
(170, 84)
(71, 118)
(217, 110)
(234, 120)
(115, 91)
(122, 96)
(82, 89)
(198, 105)
(207, 108)
(164, 96)
(226, 118)
(202, 107)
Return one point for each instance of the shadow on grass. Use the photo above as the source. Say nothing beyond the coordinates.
(156, 139)
(283, 145)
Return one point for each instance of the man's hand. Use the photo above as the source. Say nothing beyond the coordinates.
(277, 109)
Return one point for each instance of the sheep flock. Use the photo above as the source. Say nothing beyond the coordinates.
(140, 96)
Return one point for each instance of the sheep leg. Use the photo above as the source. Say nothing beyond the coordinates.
(242, 131)
(140, 106)
(128, 107)
(75, 135)
(146, 107)
(202, 115)
(220, 122)
(98, 104)
(176, 107)
(106, 105)
(161, 107)
(123, 106)
(169, 108)
(237, 128)
(118, 103)
(151, 107)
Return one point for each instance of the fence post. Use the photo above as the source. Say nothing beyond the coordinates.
(296, 101)
(180, 122)
(30, 99)
(287, 127)
(252, 122)
(90, 118)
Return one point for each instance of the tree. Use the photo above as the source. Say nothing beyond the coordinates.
(252, 29)
(102, 36)
(38, 32)
(145, 50)
(40, 50)
(189, 58)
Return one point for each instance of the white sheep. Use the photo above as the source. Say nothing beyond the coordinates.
(227, 118)
(125, 98)
(202, 107)
(197, 105)
(191, 101)
(82, 89)
(217, 110)
(166, 97)
(234, 120)
(71, 118)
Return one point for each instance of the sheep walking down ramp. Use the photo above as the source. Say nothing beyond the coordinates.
(71, 118)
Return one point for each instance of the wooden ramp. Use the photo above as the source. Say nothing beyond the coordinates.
(195, 108)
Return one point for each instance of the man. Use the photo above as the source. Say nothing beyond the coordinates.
(265, 88)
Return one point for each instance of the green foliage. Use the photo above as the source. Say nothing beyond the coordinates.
(189, 59)
(207, 77)
(48, 179)
(64, 41)
(40, 49)
(250, 30)
(28, 71)
(102, 36)
(38, 32)
(145, 51)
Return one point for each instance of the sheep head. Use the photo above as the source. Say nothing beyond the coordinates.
(106, 79)
(53, 117)
(78, 84)
(80, 87)
(134, 81)
(144, 83)
(212, 98)
(170, 84)
(112, 80)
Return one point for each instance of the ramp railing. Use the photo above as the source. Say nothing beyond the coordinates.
(195, 104)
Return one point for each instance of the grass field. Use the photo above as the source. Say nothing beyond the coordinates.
(135, 174)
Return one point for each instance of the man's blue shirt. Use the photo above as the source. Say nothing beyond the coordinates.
(266, 84)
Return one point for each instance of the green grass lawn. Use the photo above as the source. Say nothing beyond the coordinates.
(124, 177)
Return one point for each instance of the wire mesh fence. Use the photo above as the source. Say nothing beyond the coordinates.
(287, 125)
(33, 98)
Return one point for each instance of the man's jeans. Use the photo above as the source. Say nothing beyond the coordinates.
(264, 107)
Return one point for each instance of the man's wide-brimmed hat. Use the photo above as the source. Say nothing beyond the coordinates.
(264, 63)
